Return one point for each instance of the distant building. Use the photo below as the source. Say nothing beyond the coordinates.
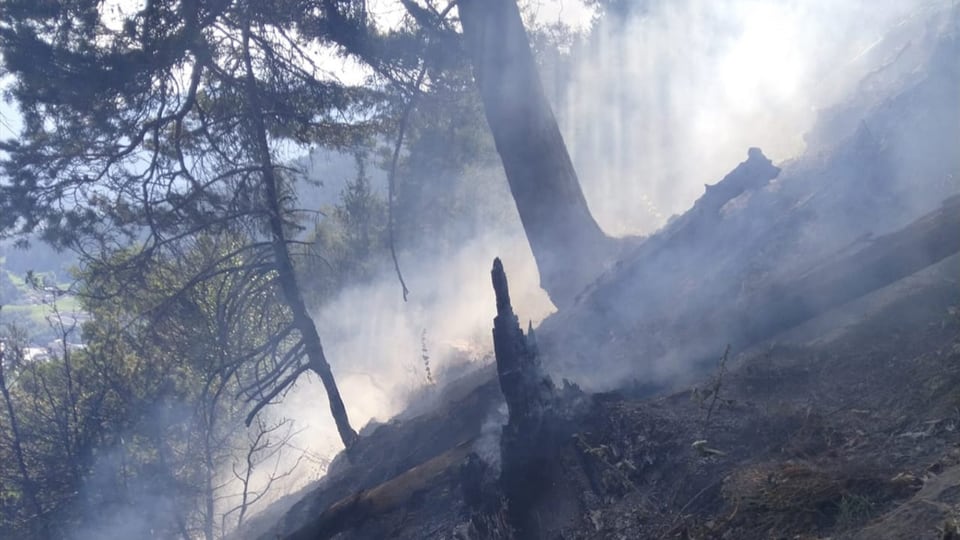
(36, 354)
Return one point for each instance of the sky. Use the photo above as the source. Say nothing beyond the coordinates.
(9, 119)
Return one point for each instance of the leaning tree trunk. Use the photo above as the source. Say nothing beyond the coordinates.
(569, 246)
(287, 277)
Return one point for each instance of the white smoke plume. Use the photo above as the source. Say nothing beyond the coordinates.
(670, 97)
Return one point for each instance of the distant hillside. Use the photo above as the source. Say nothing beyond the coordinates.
(24, 306)
(38, 257)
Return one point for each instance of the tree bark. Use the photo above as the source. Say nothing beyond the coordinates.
(569, 246)
(302, 320)
(529, 437)
(526, 389)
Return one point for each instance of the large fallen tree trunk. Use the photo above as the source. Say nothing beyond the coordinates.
(569, 246)
(527, 439)
(848, 276)
(708, 316)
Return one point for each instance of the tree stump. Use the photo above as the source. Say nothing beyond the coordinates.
(526, 439)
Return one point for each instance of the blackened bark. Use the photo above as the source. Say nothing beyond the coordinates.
(569, 246)
(284, 264)
(721, 312)
(528, 439)
(525, 388)
(481, 496)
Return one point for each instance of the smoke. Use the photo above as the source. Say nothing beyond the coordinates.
(858, 104)
(374, 340)
(659, 102)
(487, 445)
(669, 96)
(124, 496)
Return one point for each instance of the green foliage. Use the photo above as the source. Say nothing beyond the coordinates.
(349, 245)
(147, 410)
(30, 307)
(450, 183)
(9, 289)
(28, 315)
(173, 129)
(36, 257)
(152, 128)
(40, 422)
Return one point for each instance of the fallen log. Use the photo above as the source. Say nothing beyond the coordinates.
(845, 277)
(679, 328)
(390, 495)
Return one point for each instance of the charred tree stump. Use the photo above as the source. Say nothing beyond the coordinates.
(527, 438)
(526, 389)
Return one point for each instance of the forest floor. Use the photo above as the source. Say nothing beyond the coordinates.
(837, 429)
(849, 435)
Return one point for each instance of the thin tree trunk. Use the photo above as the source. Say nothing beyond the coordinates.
(208, 488)
(569, 246)
(284, 264)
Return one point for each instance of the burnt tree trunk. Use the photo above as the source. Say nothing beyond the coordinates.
(569, 246)
(528, 438)
(525, 388)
